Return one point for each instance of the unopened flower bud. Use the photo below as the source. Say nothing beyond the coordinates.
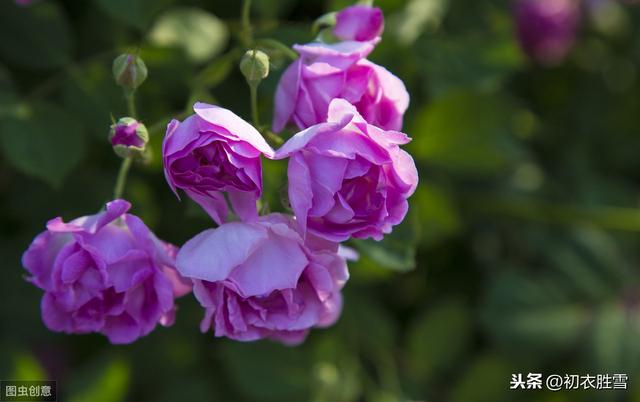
(129, 71)
(129, 138)
(254, 66)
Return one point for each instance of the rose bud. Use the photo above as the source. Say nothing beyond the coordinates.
(105, 273)
(547, 28)
(128, 137)
(359, 23)
(325, 72)
(129, 71)
(262, 280)
(212, 152)
(348, 178)
(254, 66)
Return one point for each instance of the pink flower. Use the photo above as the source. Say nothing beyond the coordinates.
(212, 152)
(262, 280)
(104, 273)
(348, 178)
(325, 72)
(360, 23)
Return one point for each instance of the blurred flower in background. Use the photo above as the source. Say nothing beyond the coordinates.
(547, 28)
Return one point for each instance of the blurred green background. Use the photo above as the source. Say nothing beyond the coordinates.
(520, 253)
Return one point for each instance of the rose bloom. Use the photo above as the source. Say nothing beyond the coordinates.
(348, 178)
(262, 280)
(359, 23)
(328, 71)
(104, 273)
(547, 28)
(215, 151)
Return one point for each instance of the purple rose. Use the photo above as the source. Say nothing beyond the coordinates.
(360, 23)
(325, 72)
(547, 28)
(212, 152)
(348, 178)
(262, 280)
(104, 273)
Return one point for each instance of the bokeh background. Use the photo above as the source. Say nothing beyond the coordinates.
(520, 253)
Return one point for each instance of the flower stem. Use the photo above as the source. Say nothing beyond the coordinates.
(122, 178)
(131, 104)
(254, 106)
(246, 23)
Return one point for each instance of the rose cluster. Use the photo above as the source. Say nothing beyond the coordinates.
(273, 276)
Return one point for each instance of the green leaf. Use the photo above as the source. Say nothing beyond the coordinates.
(417, 17)
(266, 371)
(397, 250)
(614, 345)
(336, 370)
(36, 36)
(109, 383)
(438, 339)
(42, 141)
(438, 214)
(272, 9)
(466, 132)
(27, 367)
(482, 61)
(533, 317)
(200, 34)
(90, 94)
(486, 380)
(135, 13)
(218, 70)
(362, 311)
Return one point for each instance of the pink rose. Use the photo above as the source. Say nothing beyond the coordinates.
(212, 152)
(348, 178)
(105, 273)
(360, 23)
(262, 280)
(325, 72)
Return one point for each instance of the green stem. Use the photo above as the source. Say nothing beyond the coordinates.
(254, 106)
(131, 104)
(246, 22)
(122, 178)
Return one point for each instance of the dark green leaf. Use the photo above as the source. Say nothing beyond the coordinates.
(535, 317)
(266, 371)
(136, 13)
(91, 95)
(486, 380)
(36, 36)
(397, 250)
(480, 61)
(465, 132)
(439, 218)
(43, 141)
(438, 339)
